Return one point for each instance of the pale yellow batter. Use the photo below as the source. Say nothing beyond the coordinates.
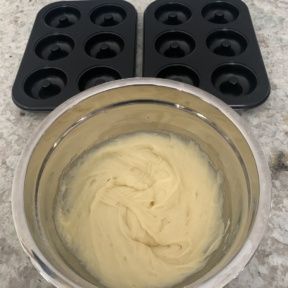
(141, 211)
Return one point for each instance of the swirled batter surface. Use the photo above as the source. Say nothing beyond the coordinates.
(143, 210)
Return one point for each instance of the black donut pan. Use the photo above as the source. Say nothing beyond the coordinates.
(208, 44)
(75, 45)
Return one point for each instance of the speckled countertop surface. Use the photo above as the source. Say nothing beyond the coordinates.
(269, 122)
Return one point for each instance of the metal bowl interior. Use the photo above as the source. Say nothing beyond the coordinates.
(129, 106)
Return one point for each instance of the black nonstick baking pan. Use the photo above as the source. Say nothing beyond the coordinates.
(75, 45)
(208, 44)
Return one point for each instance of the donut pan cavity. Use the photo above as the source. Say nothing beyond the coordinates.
(75, 45)
(208, 44)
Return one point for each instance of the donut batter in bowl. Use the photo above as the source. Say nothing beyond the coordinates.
(143, 210)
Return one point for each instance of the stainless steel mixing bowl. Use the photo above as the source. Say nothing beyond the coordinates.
(141, 104)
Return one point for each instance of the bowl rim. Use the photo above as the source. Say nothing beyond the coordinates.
(224, 276)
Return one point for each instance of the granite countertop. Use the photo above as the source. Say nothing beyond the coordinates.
(269, 123)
